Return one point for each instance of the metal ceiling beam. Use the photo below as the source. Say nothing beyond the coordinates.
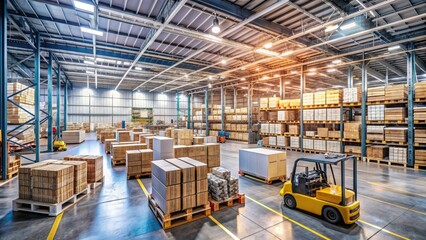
(170, 10)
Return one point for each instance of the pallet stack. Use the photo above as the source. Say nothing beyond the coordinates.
(163, 148)
(198, 152)
(420, 136)
(396, 92)
(395, 114)
(420, 90)
(274, 102)
(213, 154)
(376, 112)
(295, 142)
(188, 185)
(94, 166)
(123, 136)
(398, 155)
(25, 173)
(419, 113)
(420, 156)
(106, 134)
(138, 162)
(320, 98)
(375, 132)
(182, 136)
(24, 99)
(352, 95)
(352, 130)
(201, 186)
(80, 174)
(73, 136)
(396, 134)
(334, 96)
(283, 141)
(180, 151)
(377, 152)
(118, 153)
(308, 99)
(376, 94)
(263, 103)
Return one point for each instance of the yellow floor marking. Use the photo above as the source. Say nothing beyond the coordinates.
(396, 189)
(55, 226)
(394, 205)
(223, 228)
(289, 219)
(143, 187)
(254, 178)
(384, 230)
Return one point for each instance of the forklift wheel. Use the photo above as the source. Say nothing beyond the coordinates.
(289, 201)
(331, 215)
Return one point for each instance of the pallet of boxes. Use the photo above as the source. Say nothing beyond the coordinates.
(138, 163)
(179, 191)
(52, 186)
(95, 172)
(223, 189)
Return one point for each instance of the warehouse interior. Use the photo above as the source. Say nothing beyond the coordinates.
(213, 119)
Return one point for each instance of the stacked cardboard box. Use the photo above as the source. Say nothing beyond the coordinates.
(201, 188)
(264, 103)
(420, 135)
(138, 162)
(25, 173)
(163, 148)
(352, 130)
(352, 149)
(198, 152)
(396, 134)
(310, 133)
(149, 141)
(308, 115)
(263, 163)
(107, 134)
(119, 151)
(420, 90)
(352, 95)
(168, 132)
(188, 184)
(166, 186)
(288, 115)
(398, 154)
(273, 116)
(263, 115)
(308, 99)
(395, 114)
(293, 129)
(322, 132)
(180, 151)
(333, 134)
(320, 114)
(143, 136)
(334, 96)
(295, 102)
(377, 151)
(283, 141)
(265, 141)
(333, 114)
(213, 154)
(376, 94)
(123, 136)
(320, 145)
(182, 136)
(376, 132)
(334, 146)
(108, 143)
(135, 136)
(198, 140)
(420, 113)
(272, 140)
(94, 166)
(420, 156)
(308, 143)
(274, 102)
(284, 103)
(24, 99)
(73, 136)
(376, 112)
(294, 142)
(396, 92)
(80, 174)
(319, 98)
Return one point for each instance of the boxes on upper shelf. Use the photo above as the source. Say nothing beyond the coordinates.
(291, 115)
(396, 134)
(396, 92)
(319, 98)
(333, 114)
(420, 90)
(420, 135)
(395, 114)
(352, 95)
(334, 134)
(308, 115)
(264, 102)
(274, 102)
(376, 94)
(334, 96)
(376, 132)
(295, 102)
(293, 129)
(376, 112)
(308, 99)
(310, 133)
(320, 114)
(352, 130)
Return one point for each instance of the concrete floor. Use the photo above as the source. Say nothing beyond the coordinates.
(393, 206)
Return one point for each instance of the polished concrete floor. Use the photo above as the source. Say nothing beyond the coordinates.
(393, 206)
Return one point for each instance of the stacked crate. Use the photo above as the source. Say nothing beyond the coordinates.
(308, 143)
(293, 129)
(320, 145)
(352, 130)
(352, 149)
(272, 140)
(320, 114)
(395, 114)
(333, 134)
(375, 132)
(274, 102)
(334, 96)
(163, 148)
(166, 186)
(334, 146)
(398, 154)
(310, 133)
(396, 134)
(420, 113)
(322, 132)
(24, 99)
(198, 152)
(73, 136)
(52, 183)
(294, 142)
(420, 90)
(420, 156)
(376, 112)
(308, 115)
(264, 103)
(123, 136)
(288, 115)
(80, 174)
(118, 152)
(376, 94)
(396, 92)
(283, 141)
(180, 151)
(182, 136)
(143, 136)
(106, 134)
(94, 166)
(420, 136)
(201, 186)
(308, 99)
(188, 184)
(352, 95)
(213, 154)
(25, 173)
(320, 98)
(377, 152)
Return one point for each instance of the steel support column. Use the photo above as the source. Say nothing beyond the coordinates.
(177, 109)
(222, 106)
(302, 90)
(350, 77)
(58, 102)
(188, 121)
(387, 77)
(207, 110)
(3, 87)
(282, 88)
(249, 113)
(192, 108)
(235, 98)
(364, 109)
(65, 104)
(411, 79)
(49, 105)
(37, 98)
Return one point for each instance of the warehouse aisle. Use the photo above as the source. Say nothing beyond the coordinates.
(384, 191)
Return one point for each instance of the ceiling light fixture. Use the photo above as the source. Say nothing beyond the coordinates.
(311, 74)
(348, 25)
(268, 45)
(276, 75)
(293, 72)
(91, 31)
(88, 62)
(210, 85)
(331, 28)
(393, 48)
(331, 70)
(138, 68)
(210, 77)
(287, 53)
(337, 61)
(243, 79)
(287, 83)
(223, 61)
(267, 52)
(243, 68)
(216, 27)
(84, 6)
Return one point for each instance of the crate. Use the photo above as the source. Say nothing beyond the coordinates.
(217, 205)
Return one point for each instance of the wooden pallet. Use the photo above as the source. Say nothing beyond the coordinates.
(178, 218)
(375, 141)
(386, 162)
(118, 162)
(216, 205)
(420, 99)
(395, 143)
(322, 106)
(419, 166)
(97, 183)
(419, 121)
(352, 104)
(138, 175)
(260, 178)
(350, 140)
(313, 151)
(51, 209)
(396, 101)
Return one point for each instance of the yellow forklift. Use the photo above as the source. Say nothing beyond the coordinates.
(58, 143)
(310, 190)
